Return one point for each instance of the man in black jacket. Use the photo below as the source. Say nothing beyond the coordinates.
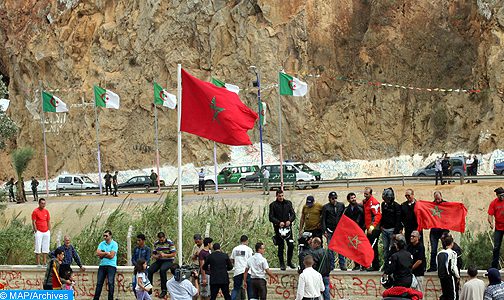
(390, 223)
(408, 216)
(399, 264)
(331, 215)
(322, 264)
(220, 264)
(355, 212)
(281, 214)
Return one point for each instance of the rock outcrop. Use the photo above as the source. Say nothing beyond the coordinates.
(125, 45)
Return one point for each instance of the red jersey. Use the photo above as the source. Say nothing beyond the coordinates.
(496, 209)
(41, 218)
(372, 212)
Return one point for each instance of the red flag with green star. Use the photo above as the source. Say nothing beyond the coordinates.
(214, 113)
(350, 241)
(446, 215)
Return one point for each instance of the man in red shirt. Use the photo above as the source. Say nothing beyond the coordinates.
(42, 230)
(372, 217)
(496, 210)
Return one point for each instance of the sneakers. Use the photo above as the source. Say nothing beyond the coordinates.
(282, 267)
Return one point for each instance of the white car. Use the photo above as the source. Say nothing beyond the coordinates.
(75, 182)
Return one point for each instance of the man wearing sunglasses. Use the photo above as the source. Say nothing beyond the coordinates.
(496, 210)
(107, 252)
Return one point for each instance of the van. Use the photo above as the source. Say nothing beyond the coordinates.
(75, 182)
(458, 168)
(292, 172)
(233, 174)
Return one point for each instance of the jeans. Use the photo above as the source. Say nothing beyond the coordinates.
(238, 285)
(162, 266)
(281, 247)
(109, 272)
(386, 239)
(341, 258)
(439, 174)
(35, 194)
(201, 185)
(327, 295)
(142, 295)
(498, 234)
(434, 237)
(108, 187)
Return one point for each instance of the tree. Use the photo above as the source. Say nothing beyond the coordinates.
(20, 159)
(7, 127)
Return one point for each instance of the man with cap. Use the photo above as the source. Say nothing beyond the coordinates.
(331, 214)
(310, 218)
(495, 289)
(496, 210)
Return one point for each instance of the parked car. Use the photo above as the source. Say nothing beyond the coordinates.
(499, 168)
(458, 168)
(140, 182)
(292, 171)
(236, 174)
(75, 182)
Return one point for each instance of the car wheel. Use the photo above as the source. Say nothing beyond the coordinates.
(421, 175)
(209, 182)
(300, 184)
(314, 186)
(502, 172)
(241, 181)
(457, 174)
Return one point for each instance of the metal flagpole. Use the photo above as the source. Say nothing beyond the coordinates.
(280, 134)
(179, 152)
(45, 142)
(157, 147)
(97, 125)
(215, 167)
(259, 103)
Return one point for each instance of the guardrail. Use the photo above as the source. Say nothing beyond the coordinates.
(393, 180)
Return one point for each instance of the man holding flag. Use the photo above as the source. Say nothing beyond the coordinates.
(372, 218)
(496, 211)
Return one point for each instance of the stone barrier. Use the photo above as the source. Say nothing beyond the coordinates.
(344, 285)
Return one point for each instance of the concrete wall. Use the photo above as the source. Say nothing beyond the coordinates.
(344, 285)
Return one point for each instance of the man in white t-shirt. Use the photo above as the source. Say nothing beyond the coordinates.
(258, 266)
(266, 176)
(474, 288)
(239, 257)
(181, 290)
(310, 283)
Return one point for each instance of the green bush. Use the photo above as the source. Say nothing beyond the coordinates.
(477, 249)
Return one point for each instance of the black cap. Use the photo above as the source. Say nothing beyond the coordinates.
(197, 236)
(333, 195)
(499, 191)
(494, 276)
(310, 200)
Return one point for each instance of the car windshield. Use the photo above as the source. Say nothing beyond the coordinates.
(87, 179)
(303, 167)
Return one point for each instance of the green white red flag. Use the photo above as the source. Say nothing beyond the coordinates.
(51, 103)
(230, 87)
(105, 98)
(162, 97)
(291, 86)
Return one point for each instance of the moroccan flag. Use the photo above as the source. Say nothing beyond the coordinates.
(291, 86)
(214, 113)
(52, 103)
(447, 215)
(350, 241)
(230, 87)
(106, 98)
(162, 97)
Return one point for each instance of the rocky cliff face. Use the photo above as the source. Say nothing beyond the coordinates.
(125, 45)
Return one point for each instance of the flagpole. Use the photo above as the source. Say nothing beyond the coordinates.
(97, 125)
(261, 119)
(280, 134)
(45, 142)
(157, 147)
(215, 167)
(179, 154)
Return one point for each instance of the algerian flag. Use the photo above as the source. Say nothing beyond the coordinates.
(291, 85)
(106, 98)
(230, 87)
(51, 103)
(262, 116)
(162, 97)
(4, 104)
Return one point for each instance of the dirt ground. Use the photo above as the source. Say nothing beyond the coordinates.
(72, 213)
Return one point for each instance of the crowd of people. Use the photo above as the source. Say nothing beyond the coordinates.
(403, 263)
